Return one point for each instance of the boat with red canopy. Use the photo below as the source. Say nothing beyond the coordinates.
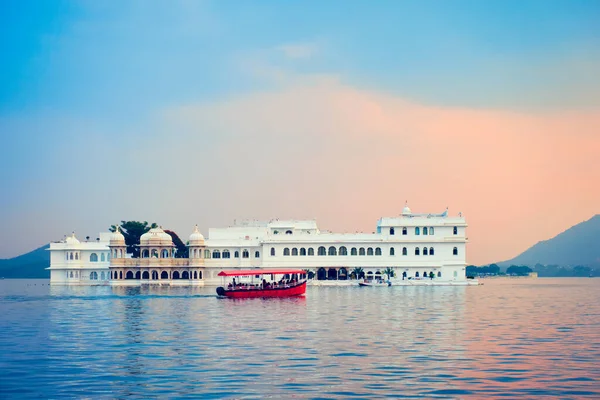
(263, 283)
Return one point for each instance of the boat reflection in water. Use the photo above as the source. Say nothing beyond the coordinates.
(253, 283)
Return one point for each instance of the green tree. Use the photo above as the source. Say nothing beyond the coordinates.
(389, 272)
(357, 273)
(520, 270)
(182, 249)
(431, 275)
(132, 231)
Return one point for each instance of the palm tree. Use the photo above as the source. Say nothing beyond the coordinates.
(358, 273)
(389, 272)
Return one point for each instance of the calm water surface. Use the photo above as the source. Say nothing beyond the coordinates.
(525, 338)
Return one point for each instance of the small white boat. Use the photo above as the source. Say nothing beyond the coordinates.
(375, 283)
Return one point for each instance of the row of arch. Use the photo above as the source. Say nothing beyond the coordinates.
(343, 251)
(103, 257)
(154, 275)
(227, 254)
(342, 274)
(426, 230)
(157, 253)
(94, 276)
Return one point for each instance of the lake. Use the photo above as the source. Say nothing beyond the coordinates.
(507, 338)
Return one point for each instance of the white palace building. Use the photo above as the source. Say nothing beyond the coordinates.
(419, 248)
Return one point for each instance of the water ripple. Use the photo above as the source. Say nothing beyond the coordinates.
(506, 339)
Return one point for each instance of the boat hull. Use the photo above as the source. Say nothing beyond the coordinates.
(298, 290)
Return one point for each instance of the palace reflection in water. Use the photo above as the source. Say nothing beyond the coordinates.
(503, 338)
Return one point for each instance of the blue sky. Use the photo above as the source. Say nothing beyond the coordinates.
(99, 76)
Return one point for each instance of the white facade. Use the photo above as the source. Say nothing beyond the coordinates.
(412, 245)
(80, 263)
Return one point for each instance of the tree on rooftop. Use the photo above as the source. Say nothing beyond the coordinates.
(132, 231)
(182, 249)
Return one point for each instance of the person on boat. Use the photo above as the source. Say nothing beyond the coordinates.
(234, 283)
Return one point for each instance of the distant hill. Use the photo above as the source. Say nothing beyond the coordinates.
(30, 265)
(577, 246)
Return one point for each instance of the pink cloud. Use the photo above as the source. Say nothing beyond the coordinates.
(348, 156)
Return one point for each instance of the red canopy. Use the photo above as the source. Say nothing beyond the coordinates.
(261, 272)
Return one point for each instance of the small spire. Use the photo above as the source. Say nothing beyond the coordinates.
(196, 229)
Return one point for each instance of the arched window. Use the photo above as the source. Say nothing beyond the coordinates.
(236, 254)
(164, 253)
(145, 253)
(146, 275)
(343, 251)
(164, 275)
(206, 253)
(424, 230)
(404, 251)
(404, 231)
(286, 252)
(195, 274)
(431, 251)
(431, 230)
(199, 274)
(424, 251)
(353, 252)
(417, 274)
(361, 251)
(322, 251)
(311, 251)
(294, 251)
(154, 253)
(154, 275)
(302, 251)
(257, 254)
(455, 230)
(417, 231)
(416, 251)
(226, 254)
(71, 256)
(275, 232)
(272, 251)
(120, 274)
(102, 258)
(378, 251)
(216, 254)
(455, 274)
(288, 232)
(392, 253)
(455, 251)
(77, 256)
(392, 231)
(332, 251)
(439, 274)
(93, 257)
(370, 251)
(245, 253)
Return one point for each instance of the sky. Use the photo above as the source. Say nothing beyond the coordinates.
(204, 112)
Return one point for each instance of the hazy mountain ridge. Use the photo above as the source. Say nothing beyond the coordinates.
(29, 265)
(576, 246)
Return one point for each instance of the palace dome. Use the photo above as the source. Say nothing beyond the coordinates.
(196, 238)
(72, 240)
(117, 238)
(406, 210)
(156, 237)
